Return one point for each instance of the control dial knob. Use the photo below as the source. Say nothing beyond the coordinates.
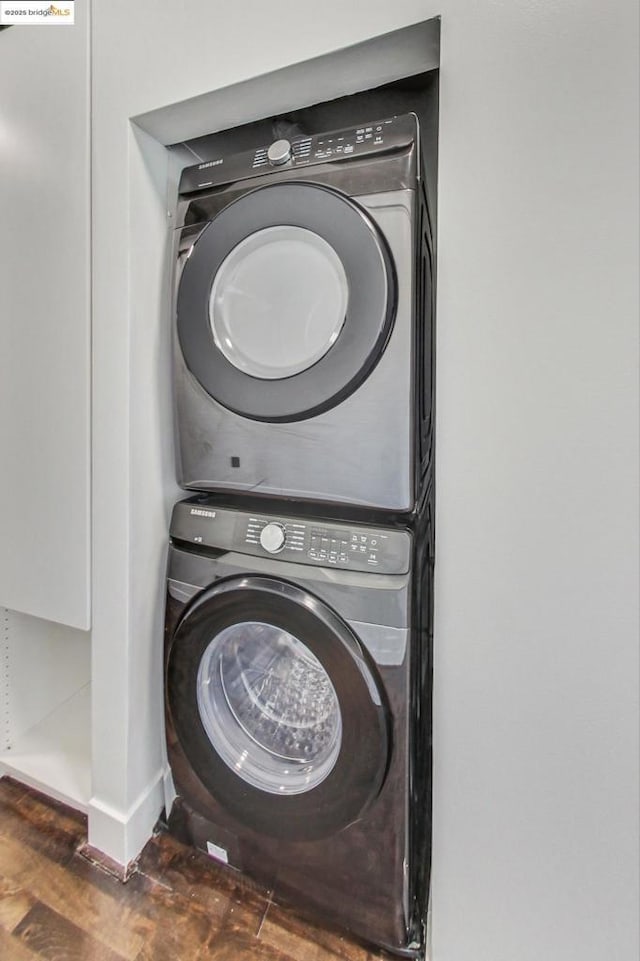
(272, 537)
(279, 152)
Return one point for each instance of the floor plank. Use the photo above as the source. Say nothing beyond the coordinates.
(85, 905)
(177, 905)
(285, 931)
(53, 937)
(14, 904)
(13, 949)
(53, 830)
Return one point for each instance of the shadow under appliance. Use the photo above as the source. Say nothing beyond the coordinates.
(303, 305)
(297, 668)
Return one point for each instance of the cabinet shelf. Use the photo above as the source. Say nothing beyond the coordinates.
(54, 756)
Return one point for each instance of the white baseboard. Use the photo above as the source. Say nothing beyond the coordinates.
(122, 835)
(170, 793)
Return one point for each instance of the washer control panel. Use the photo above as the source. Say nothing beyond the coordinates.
(350, 548)
(304, 541)
(302, 151)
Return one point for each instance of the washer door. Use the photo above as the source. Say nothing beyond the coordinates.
(276, 708)
(286, 302)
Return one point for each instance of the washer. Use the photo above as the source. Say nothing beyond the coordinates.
(298, 693)
(303, 293)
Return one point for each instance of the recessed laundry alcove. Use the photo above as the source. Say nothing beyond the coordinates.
(388, 74)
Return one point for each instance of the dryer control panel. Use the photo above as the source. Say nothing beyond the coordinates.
(299, 540)
(302, 151)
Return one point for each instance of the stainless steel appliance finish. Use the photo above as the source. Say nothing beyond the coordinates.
(304, 346)
(298, 709)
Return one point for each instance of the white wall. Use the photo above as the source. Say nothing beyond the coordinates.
(536, 797)
(45, 333)
(536, 717)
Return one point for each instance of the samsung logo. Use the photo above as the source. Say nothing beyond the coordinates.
(212, 163)
(202, 513)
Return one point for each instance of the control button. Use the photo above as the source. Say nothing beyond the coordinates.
(279, 152)
(272, 538)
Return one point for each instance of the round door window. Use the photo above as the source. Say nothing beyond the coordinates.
(286, 301)
(274, 710)
(278, 302)
(269, 708)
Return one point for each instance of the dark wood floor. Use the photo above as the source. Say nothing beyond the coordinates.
(58, 905)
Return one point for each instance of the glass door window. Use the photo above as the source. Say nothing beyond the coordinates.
(269, 708)
(278, 302)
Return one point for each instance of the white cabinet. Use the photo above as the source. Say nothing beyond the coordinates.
(45, 368)
(45, 321)
(45, 738)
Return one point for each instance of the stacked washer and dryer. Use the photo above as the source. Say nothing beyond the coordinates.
(299, 594)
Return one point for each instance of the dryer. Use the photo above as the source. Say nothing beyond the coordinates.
(298, 709)
(303, 289)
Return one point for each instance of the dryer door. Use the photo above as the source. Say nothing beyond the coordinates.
(276, 707)
(286, 302)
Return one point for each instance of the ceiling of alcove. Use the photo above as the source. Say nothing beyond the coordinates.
(410, 51)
